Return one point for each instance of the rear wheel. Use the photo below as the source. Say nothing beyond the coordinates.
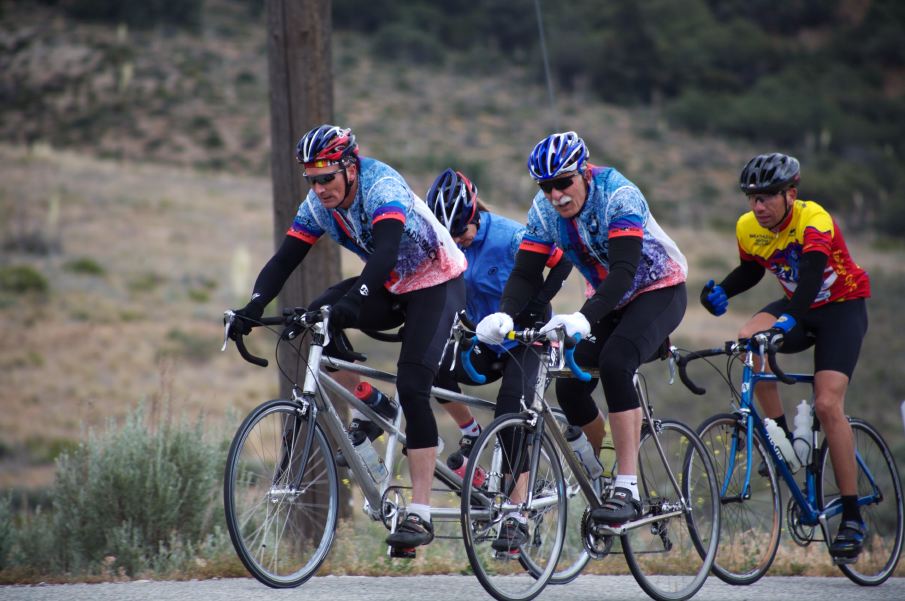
(671, 557)
(504, 447)
(878, 481)
(281, 503)
(751, 519)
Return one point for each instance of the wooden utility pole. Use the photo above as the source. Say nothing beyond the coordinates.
(301, 97)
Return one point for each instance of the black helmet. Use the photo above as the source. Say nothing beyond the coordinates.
(453, 199)
(769, 174)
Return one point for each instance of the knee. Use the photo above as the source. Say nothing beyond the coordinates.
(575, 400)
(413, 383)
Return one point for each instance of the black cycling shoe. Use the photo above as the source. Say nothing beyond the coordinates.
(411, 532)
(621, 507)
(762, 470)
(513, 534)
(849, 540)
(460, 457)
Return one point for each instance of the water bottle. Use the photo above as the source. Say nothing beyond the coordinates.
(582, 447)
(782, 444)
(368, 455)
(376, 400)
(456, 462)
(801, 436)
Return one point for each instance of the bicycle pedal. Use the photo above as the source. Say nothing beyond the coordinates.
(402, 552)
(841, 561)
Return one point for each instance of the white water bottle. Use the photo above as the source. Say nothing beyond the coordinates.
(582, 447)
(368, 454)
(782, 444)
(801, 436)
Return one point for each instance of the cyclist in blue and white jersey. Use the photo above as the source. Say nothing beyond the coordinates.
(412, 275)
(490, 243)
(636, 274)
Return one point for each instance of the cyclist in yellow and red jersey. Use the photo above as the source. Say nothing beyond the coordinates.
(823, 306)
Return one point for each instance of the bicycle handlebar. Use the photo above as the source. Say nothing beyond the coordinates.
(291, 319)
(757, 343)
(527, 336)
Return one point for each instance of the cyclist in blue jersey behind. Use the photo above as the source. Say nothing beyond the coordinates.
(603, 224)
(412, 275)
(490, 243)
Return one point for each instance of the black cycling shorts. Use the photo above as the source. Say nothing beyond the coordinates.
(835, 330)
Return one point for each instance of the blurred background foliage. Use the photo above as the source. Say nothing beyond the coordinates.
(824, 79)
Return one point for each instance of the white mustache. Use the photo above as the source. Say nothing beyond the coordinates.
(563, 201)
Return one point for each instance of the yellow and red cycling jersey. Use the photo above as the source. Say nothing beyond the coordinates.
(810, 228)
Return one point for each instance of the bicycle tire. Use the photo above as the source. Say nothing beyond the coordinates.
(883, 544)
(574, 557)
(483, 513)
(664, 556)
(750, 525)
(282, 533)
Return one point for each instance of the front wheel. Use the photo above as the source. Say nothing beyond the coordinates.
(671, 557)
(537, 495)
(281, 503)
(880, 487)
(751, 517)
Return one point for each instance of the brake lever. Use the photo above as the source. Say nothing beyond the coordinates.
(228, 317)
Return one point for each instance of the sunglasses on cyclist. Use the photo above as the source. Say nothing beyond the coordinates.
(559, 184)
(324, 178)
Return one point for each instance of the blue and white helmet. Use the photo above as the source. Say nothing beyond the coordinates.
(557, 154)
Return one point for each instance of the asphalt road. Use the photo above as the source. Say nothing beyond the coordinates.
(446, 588)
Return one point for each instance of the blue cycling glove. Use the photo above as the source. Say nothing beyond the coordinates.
(777, 332)
(714, 298)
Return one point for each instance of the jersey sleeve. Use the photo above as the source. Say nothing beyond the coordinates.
(538, 236)
(818, 231)
(626, 213)
(305, 226)
(388, 198)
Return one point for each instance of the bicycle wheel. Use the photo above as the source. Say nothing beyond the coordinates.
(520, 573)
(878, 478)
(663, 555)
(281, 507)
(574, 557)
(750, 520)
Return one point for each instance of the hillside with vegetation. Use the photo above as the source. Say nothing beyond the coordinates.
(135, 193)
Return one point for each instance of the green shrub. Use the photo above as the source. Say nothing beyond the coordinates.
(134, 491)
(6, 531)
(85, 266)
(22, 279)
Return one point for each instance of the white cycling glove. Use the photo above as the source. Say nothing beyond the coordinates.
(573, 323)
(493, 328)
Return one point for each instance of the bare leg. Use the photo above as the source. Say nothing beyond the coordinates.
(595, 430)
(460, 412)
(829, 405)
(626, 426)
(421, 468)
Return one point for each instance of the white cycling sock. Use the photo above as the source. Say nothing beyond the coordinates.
(422, 511)
(629, 481)
(472, 428)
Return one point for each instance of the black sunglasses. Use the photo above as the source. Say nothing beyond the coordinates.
(560, 184)
(322, 179)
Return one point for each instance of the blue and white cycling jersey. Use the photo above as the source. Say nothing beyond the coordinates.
(615, 207)
(427, 254)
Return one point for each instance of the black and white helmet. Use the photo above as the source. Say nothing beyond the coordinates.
(453, 199)
(770, 174)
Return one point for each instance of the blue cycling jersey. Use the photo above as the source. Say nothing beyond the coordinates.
(614, 207)
(491, 257)
(427, 254)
